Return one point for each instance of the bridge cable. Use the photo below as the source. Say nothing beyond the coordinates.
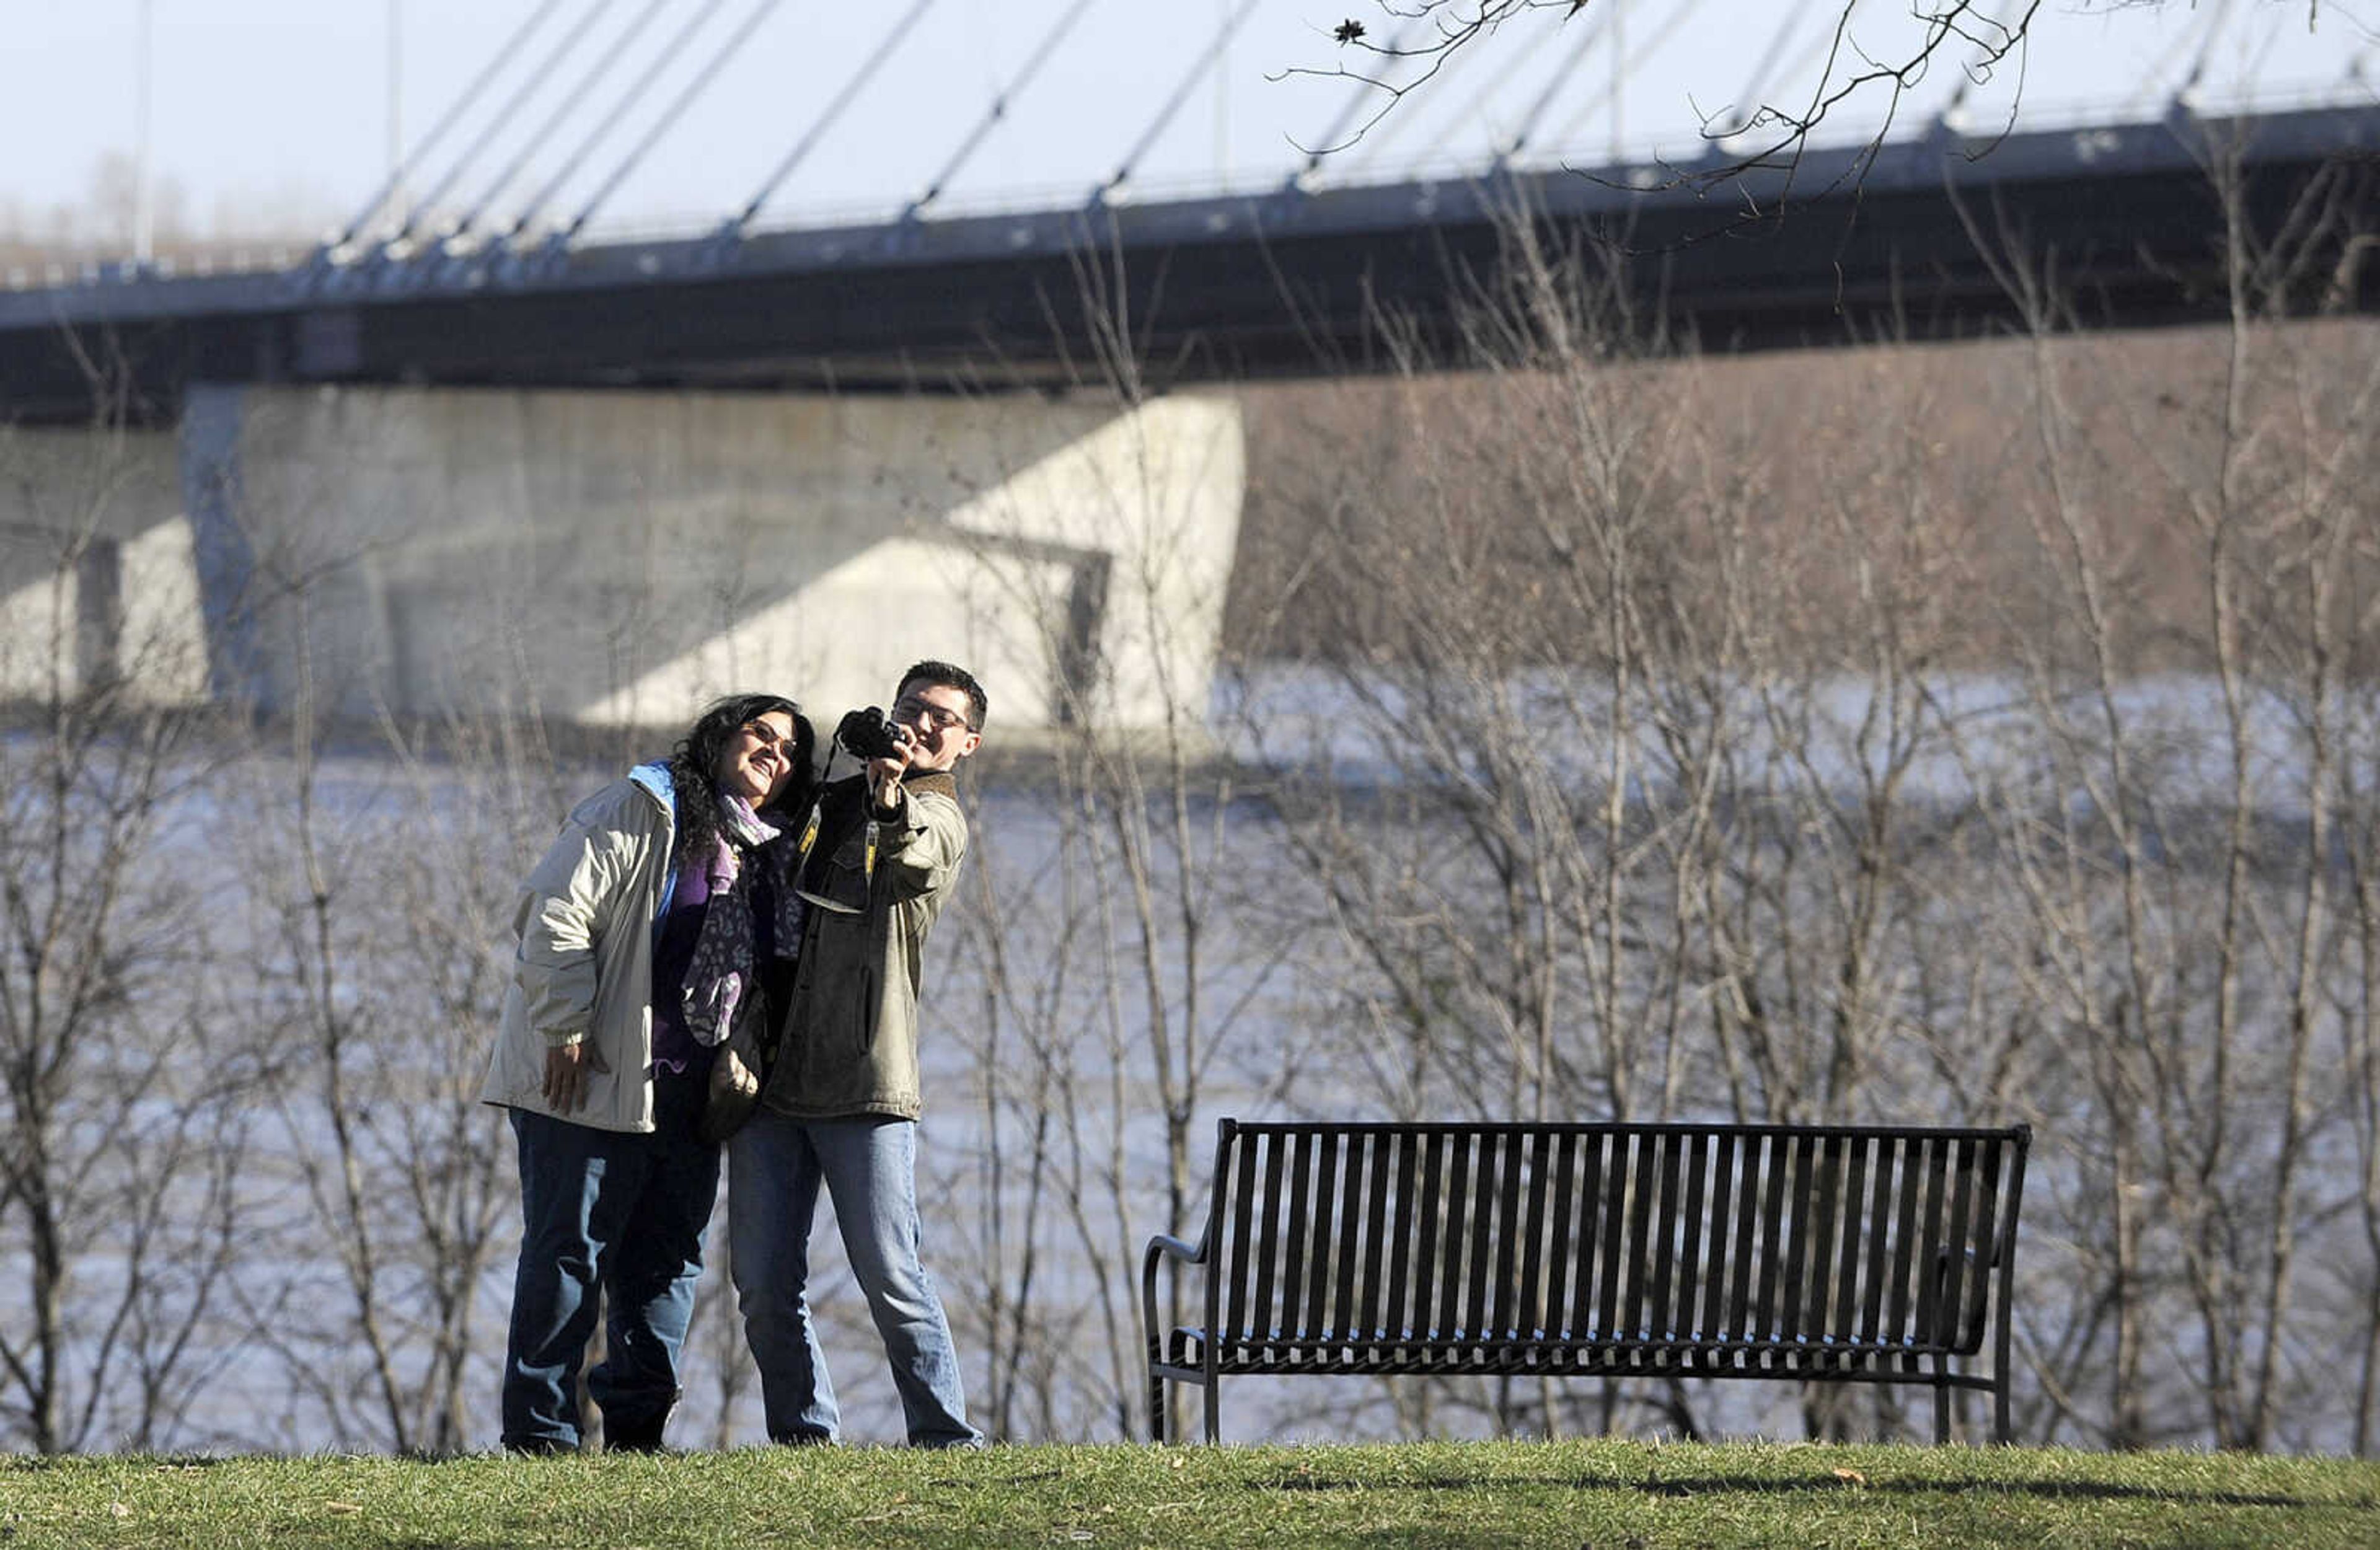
(521, 94)
(1205, 61)
(1479, 101)
(1591, 35)
(1384, 132)
(2352, 74)
(1335, 137)
(1767, 70)
(1756, 85)
(504, 56)
(999, 110)
(661, 125)
(2159, 77)
(573, 100)
(617, 115)
(2246, 67)
(1645, 50)
(893, 38)
(2351, 84)
(1480, 97)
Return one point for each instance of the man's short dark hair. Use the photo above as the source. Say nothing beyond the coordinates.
(948, 676)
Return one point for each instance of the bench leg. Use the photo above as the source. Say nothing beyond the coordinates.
(1214, 1409)
(1156, 1408)
(1941, 1414)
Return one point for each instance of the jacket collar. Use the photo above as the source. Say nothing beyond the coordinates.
(937, 783)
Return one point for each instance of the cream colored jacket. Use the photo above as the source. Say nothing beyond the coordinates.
(585, 965)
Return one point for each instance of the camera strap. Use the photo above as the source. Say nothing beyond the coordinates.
(835, 860)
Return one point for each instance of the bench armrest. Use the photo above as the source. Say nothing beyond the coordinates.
(1161, 1247)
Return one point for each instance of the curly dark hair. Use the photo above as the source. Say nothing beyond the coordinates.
(946, 676)
(694, 764)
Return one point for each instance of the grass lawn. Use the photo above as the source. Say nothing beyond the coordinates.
(1608, 1496)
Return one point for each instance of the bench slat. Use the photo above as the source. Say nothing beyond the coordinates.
(1821, 1312)
(1488, 1229)
(1715, 1322)
(1587, 1234)
(1403, 1230)
(1233, 1265)
(1686, 1320)
(1797, 1245)
(1291, 1252)
(1879, 1268)
(1987, 1233)
(1910, 1171)
(1929, 1243)
(1503, 1289)
(1957, 1256)
(1528, 1313)
(1262, 1304)
(1380, 1152)
(1561, 1253)
(1748, 1225)
(1448, 1300)
(1338, 1288)
(1611, 1210)
(1776, 1172)
(1660, 1315)
(1427, 1258)
(1846, 1314)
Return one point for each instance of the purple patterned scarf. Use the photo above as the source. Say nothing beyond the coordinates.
(723, 966)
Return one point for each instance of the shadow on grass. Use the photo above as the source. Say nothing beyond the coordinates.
(2047, 1490)
(33, 1463)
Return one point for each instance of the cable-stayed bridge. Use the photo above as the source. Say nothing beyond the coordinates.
(483, 260)
(639, 468)
(1905, 242)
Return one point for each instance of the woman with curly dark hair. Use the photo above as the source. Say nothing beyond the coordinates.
(645, 934)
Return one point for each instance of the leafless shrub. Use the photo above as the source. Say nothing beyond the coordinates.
(121, 1219)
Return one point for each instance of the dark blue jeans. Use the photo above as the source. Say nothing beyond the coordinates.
(625, 1212)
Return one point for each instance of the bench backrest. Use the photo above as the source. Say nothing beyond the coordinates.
(1869, 1238)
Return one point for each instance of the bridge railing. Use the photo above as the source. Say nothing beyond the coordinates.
(28, 265)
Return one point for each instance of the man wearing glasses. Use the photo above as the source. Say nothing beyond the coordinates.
(878, 857)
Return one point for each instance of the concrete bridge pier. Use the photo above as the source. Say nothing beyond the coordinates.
(98, 578)
(616, 557)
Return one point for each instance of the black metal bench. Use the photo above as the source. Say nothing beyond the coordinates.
(1834, 1254)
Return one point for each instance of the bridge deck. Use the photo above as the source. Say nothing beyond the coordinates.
(1284, 284)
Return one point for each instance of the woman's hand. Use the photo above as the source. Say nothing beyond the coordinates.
(567, 1068)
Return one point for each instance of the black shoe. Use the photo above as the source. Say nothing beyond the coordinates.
(644, 1437)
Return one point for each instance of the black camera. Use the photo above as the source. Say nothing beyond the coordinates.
(868, 734)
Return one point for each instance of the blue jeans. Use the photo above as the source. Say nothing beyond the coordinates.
(627, 1212)
(869, 1167)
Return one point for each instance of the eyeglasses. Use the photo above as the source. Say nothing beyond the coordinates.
(768, 736)
(944, 719)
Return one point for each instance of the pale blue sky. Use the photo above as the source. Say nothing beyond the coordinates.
(279, 110)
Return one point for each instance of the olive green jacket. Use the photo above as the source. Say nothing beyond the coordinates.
(848, 1042)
